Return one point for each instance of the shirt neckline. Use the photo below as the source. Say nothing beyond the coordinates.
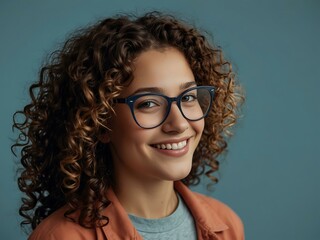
(161, 224)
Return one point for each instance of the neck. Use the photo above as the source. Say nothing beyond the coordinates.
(147, 199)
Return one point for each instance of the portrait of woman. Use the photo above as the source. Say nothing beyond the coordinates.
(159, 119)
(128, 114)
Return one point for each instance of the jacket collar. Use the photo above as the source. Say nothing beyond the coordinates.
(120, 226)
(205, 217)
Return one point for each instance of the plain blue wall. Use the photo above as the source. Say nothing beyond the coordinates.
(270, 176)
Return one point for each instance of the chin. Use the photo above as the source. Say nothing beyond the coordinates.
(179, 174)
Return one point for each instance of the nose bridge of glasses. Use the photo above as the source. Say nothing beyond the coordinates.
(172, 99)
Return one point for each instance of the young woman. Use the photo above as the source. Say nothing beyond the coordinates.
(127, 115)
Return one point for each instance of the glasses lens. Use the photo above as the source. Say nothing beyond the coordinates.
(196, 103)
(150, 110)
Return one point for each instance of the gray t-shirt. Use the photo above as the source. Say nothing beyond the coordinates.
(179, 225)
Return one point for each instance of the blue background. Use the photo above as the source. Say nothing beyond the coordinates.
(270, 175)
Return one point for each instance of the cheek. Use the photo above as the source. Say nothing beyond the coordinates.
(198, 126)
(122, 121)
(125, 133)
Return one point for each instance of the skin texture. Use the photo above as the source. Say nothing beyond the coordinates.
(144, 174)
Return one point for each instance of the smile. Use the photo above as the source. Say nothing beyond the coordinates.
(172, 146)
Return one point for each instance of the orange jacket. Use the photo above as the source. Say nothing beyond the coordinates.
(214, 220)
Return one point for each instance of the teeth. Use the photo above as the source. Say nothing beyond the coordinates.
(173, 146)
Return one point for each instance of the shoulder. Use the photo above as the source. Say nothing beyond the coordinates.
(57, 227)
(217, 209)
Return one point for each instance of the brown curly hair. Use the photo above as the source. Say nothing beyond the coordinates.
(63, 161)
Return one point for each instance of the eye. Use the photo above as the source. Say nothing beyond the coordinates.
(189, 98)
(147, 104)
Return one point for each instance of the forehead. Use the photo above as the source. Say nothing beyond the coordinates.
(166, 69)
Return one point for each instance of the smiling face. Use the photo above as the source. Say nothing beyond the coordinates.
(164, 152)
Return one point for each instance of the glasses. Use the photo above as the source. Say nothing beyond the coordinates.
(150, 110)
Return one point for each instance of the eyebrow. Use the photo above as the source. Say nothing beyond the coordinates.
(183, 86)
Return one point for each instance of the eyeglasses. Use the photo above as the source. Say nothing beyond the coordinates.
(150, 110)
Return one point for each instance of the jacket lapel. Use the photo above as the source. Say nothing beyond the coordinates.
(207, 221)
(119, 226)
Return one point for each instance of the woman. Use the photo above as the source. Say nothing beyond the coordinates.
(127, 115)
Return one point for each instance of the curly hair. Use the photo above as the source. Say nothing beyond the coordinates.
(63, 161)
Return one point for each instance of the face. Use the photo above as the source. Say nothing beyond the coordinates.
(138, 153)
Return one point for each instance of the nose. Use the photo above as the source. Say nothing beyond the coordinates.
(175, 122)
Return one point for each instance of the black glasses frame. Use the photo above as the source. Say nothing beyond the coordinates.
(131, 100)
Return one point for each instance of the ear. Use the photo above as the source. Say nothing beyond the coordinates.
(104, 138)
